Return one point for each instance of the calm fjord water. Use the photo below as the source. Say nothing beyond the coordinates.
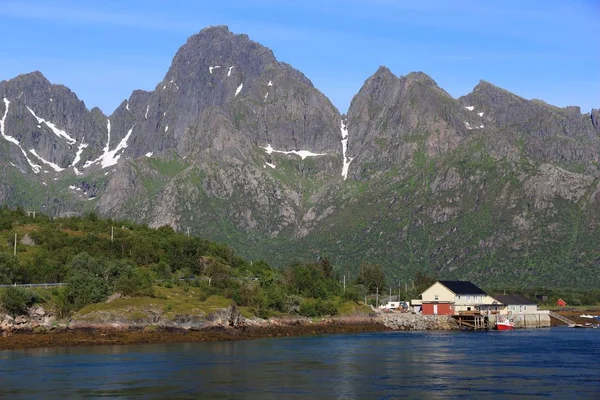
(548, 363)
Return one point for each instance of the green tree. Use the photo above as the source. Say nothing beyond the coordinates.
(9, 269)
(137, 282)
(162, 270)
(218, 273)
(423, 281)
(327, 267)
(16, 300)
(84, 288)
(371, 276)
(88, 281)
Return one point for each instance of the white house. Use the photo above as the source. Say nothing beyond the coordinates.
(453, 297)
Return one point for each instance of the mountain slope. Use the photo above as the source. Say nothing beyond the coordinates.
(239, 147)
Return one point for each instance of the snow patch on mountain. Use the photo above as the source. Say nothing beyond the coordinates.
(347, 160)
(110, 157)
(239, 89)
(302, 153)
(229, 71)
(470, 108)
(50, 164)
(36, 168)
(79, 151)
(58, 132)
(4, 135)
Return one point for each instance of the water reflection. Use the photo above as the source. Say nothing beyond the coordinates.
(556, 363)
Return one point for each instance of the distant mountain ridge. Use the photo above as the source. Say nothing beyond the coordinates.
(239, 147)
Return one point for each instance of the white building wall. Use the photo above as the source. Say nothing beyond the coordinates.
(438, 292)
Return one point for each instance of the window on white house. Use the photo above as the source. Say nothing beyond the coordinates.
(525, 308)
(435, 297)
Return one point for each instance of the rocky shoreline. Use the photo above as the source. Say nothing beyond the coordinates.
(41, 330)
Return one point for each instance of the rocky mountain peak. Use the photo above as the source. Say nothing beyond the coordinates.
(420, 77)
(34, 76)
(595, 118)
(383, 72)
(492, 95)
(221, 53)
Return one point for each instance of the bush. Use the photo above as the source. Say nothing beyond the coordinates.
(84, 288)
(162, 270)
(351, 294)
(318, 308)
(276, 298)
(16, 300)
(136, 283)
(64, 307)
(308, 308)
(9, 269)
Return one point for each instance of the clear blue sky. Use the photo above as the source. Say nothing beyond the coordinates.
(105, 49)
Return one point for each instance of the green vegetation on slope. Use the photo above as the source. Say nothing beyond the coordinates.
(157, 267)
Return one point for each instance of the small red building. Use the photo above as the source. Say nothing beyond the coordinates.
(452, 297)
(438, 308)
(561, 303)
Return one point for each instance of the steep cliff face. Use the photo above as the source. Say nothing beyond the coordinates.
(390, 115)
(548, 133)
(44, 124)
(244, 127)
(225, 94)
(237, 146)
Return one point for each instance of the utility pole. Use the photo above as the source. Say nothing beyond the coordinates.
(390, 295)
(406, 286)
(344, 283)
(112, 234)
(188, 231)
(377, 297)
(15, 250)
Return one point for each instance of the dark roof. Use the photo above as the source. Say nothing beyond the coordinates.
(462, 287)
(513, 299)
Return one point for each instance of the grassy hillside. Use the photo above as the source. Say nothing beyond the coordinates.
(157, 270)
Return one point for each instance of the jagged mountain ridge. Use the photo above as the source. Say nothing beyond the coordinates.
(205, 151)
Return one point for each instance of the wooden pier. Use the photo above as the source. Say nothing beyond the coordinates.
(475, 322)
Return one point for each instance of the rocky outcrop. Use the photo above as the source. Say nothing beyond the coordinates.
(556, 183)
(549, 133)
(418, 322)
(391, 118)
(36, 320)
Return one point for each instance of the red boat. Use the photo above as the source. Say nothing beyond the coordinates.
(505, 325)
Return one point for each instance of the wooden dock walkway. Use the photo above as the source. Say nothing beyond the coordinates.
(561, 318)
(474, 322)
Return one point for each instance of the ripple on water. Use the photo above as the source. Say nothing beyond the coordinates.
(555, 363)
